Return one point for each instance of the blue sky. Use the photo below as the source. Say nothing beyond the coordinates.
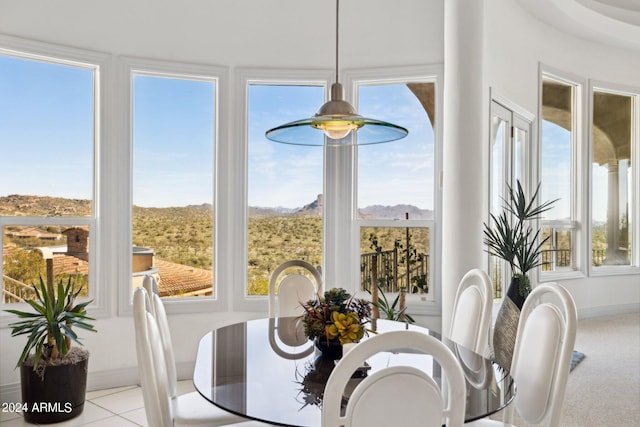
(173, 153)
(46, 129)
(556, 175)
(398, 172)
(280, 174)
(556, 170)
(173, 130)
(291, 176)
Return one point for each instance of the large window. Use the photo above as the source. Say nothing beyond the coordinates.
(173, 124)
(612, 203)
(607, 190)
(559, 176)
(48, 122)
(396, 199)
(290, 188)
(285, 184)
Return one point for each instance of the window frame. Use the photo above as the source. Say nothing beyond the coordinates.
(634, 94)
(101, 65)
(579, 201)
(129, 67)
(239, 177)
(418, 304)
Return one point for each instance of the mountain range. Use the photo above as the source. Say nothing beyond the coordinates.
(316, 208)
(55, 206)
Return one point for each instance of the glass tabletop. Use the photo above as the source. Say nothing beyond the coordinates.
(267, 370)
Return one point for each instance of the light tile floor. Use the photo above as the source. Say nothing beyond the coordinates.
(115, 407)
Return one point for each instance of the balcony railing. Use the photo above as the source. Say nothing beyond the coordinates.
(392, 274)
(554, 259)
(15, 291)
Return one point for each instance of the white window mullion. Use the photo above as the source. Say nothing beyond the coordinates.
(339, 265)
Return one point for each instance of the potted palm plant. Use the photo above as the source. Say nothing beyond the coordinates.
(511, 237)
(53, 375)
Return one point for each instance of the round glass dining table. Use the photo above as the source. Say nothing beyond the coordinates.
(267, 370)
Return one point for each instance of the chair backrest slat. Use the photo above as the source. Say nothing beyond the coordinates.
(471, 319)
(151, 364)
(159, 313)
(380, 398)
(285, 295)
(542, 354)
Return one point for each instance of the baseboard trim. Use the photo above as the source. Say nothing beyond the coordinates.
(11, 393)
(100, 380)
(95, 381)
(113, 378)
(608, 310)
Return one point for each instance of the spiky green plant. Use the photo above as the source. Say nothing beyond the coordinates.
(50, 327)
(510, 236)
(391, 311)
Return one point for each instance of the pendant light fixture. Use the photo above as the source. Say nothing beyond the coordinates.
(336, 120)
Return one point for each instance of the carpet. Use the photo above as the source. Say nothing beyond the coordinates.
(576, 358)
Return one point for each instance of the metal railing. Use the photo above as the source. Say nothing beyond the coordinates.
(553, 259)
(598, 256)
(15, 291)
(392, 275)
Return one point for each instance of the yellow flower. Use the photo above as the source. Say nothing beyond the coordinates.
(345, 327)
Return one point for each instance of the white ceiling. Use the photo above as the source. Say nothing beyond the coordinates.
(614, 22)
(633, 5)
(621, 10)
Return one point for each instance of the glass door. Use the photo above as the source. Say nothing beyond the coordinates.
(509, 153)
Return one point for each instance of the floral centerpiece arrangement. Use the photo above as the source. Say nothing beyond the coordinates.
(336, 317)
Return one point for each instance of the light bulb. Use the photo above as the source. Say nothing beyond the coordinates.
(337, 133)
(337, 129)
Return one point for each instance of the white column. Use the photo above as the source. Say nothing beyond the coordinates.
(613, 215)
(338, 206)
(465, 158)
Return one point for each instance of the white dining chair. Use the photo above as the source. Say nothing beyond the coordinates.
(471, 318)
(398, 395)
(286, 294)
(157, 310)
(161, 408)
(151, 285)
(541, 357)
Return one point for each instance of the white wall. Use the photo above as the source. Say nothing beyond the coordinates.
(262, 33)
(516, 44)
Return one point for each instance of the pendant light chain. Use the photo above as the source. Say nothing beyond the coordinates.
(336, 119)
(337, 34)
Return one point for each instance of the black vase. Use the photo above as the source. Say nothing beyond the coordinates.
(57, 396)
(329, 349)
(506, 326)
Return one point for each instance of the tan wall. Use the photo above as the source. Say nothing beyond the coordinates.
(142, 262)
